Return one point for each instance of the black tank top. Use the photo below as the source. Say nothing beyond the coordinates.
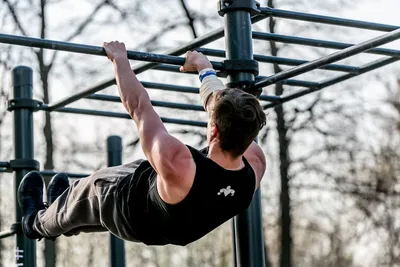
(216, 196)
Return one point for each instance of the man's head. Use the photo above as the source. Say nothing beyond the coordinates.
(236, 119)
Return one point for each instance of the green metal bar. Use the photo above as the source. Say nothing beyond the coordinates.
(247, 227)
(198, 42)
(348, 52)
(121, 115)
(6, 234)
(117, 99)
(281, 60)
(193, 90)
(25, 252)
(170, 87)
(92, 50)
(279, 13)
(291, 82)
(192, 45)
(364, 69)
(114, 158)
(170, 68)
(319, 43)
(329, 82)
(4, 164)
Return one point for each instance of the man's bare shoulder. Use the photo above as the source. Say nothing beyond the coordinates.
(175, 184)
(178, 163)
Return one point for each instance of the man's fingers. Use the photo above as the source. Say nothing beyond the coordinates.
(182, 69)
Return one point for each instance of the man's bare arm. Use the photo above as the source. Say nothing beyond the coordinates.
(197, 62)
(165, 153)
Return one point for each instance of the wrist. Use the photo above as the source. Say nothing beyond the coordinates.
(120, 58)
(203, 66)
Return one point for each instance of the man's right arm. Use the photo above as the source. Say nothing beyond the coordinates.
(210, 83)
(209, 86)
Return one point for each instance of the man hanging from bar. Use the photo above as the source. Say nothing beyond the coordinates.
(178, 194)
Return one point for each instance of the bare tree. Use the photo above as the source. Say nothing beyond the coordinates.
(284, 143)
(5, 137)
(297, 124)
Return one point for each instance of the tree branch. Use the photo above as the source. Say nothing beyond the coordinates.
(189, 17)
(81, 27)
(15, 17)
(152, 40)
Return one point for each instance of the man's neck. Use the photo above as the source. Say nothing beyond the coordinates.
(224, 159)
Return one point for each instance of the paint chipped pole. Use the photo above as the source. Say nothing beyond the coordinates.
(247, 227)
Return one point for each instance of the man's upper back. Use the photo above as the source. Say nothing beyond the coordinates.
(216, 195)
(174, 189)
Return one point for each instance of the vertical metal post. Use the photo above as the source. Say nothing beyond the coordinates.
(238, 42)
(22, 81)
(247, 227)
(114, 158)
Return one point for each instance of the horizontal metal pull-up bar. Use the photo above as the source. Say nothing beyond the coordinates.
(281, 60)
(69, 174)
(117, 99)
(270, 98)
(120, 115)
(327, 20)
(92, 50)
(195, 90)
(312, 65)
(7, 234)
(292, 82)
(4, 164)
(198, 42)
(171, 87)
(319, 43)
(161, 86)
(364, 69)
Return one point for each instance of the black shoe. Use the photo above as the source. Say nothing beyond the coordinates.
(57, 185)
(30, 199)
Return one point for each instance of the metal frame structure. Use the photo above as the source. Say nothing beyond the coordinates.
(240, 70)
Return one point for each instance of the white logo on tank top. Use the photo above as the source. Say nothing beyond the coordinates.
(226, 191)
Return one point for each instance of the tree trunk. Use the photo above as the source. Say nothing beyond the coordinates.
(1, 241)
(284, 159)
(50, 246)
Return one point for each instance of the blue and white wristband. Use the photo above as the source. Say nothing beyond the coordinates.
(210, 83)
(206, 72)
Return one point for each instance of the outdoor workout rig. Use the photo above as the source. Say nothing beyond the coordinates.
(241, 70)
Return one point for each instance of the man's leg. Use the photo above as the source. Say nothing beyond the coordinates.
(88, 205)
(58, 185)
(78, 206)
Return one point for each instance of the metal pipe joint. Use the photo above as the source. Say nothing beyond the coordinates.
(251, 6)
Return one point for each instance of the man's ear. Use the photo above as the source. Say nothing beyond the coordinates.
(214, 130)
